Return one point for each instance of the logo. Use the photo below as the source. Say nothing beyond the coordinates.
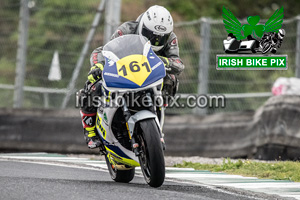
(174, 42)
(100, 109)
(160, 28)
(148, 15)
(252, 38)
(120, 32)
(105, 117)
(110, 63)
(88, 120)
(95, 58)
(100, 127)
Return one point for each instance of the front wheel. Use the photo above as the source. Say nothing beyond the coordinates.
(266, 48)
(151, 158)
(123, 176)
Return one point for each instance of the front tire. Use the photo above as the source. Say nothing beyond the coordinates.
(266, 48)
(152, 158)
(123, 176)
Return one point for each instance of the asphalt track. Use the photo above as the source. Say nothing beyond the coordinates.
(24, 180)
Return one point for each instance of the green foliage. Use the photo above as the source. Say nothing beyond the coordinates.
(7, 71)
(194, 9)
(280, 170)
(57, 25)
(9, 12)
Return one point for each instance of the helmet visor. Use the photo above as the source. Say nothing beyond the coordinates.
(156, 39)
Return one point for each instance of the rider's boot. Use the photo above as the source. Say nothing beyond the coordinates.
(89, 129)
(88, 117)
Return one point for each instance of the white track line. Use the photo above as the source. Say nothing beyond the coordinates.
(178, 175)
(138, 175)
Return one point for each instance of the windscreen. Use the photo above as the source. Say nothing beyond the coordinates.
(126, 45)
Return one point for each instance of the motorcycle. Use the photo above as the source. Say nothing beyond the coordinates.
(268, 44)
(132, 135)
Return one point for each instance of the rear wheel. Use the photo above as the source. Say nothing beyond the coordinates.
(151, 158)
(123, 176)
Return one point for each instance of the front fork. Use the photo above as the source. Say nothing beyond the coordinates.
(127, 115)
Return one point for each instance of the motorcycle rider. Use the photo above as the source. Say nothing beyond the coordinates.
(273, 38)
(156, 24)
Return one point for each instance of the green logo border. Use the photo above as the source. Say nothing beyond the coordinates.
(250, 68)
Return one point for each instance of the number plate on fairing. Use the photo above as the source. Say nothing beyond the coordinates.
(133, 71)
(135, 68)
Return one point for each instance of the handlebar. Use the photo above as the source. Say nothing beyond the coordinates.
(88, 85)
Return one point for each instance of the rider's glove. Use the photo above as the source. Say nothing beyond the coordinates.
(166, 62)
(170, 87)
(95, 72)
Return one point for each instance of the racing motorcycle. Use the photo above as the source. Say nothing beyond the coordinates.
(132, 134)
(269, 43)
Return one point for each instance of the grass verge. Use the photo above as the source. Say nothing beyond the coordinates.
(281, 170)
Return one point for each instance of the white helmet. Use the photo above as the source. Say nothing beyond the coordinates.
(156, 24)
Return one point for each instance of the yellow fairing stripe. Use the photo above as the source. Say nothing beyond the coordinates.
(99, 126)
(125, 161)
(108, 97)
(128, 131)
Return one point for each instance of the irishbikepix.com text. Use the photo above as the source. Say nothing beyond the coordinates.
(134, 100)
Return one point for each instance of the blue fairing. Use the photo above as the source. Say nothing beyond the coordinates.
(112, 79)
(114, 148)
(156, 74)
